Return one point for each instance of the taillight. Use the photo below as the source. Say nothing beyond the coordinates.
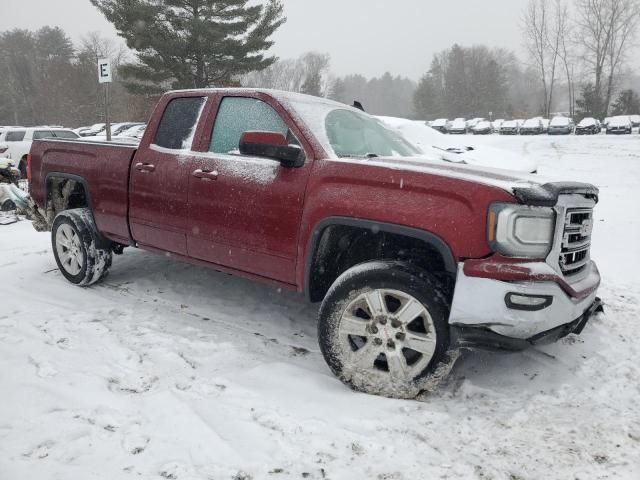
(3, 149)
(29, 168)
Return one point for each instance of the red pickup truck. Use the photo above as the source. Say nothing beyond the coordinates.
(409, 256)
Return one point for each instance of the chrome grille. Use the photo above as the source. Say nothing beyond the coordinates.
(576, 240)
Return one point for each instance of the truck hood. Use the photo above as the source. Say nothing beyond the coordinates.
(466, 150)
(528, 189)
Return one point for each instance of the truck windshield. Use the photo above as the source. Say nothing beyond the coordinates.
(346, 132)
(354, 135)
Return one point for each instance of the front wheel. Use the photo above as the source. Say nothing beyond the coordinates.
(383, 328)
(75, 240)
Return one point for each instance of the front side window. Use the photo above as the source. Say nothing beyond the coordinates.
(179, 122)
(237, 115)
(17, 136)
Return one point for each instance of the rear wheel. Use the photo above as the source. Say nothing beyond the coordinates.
(383, 328)
(74, 239)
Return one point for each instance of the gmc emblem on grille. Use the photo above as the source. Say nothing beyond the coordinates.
(586, 228)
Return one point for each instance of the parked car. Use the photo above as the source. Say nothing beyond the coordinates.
(545, 125)
(95, 129)
(80, 130)
(533, 126)
(496, 124)
(619, 125)
(441, 125)
(509, 127)
(588, 126)
(561, 126)
(473, 122)
(482, 128)
(463, 150)
(457, 127)
(136, 131)
(456, 256)
(119, 128)
(635, 120)
(19, 142)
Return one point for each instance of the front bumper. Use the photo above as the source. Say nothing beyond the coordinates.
(483, 292)
(486, 338)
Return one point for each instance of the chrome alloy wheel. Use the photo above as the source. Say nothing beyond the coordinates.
(389, 334)
(69, 249)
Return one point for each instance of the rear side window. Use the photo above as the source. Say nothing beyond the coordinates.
(42, 134)
(17, 136)
(178, 123)
(237, 115)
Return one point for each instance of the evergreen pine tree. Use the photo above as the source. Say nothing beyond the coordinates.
(627, 103)
(195, 43)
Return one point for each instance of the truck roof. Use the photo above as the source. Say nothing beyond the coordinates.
(280, 95)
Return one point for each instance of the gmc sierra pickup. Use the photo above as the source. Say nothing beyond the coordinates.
(409, 256)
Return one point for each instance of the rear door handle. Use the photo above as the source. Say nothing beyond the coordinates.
(205, 174)
(145, 167)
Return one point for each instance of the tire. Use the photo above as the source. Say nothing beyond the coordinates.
(7, 206)
(74, 238)
(22, 166)
(379, 359)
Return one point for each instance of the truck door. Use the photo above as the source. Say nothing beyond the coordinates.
(244, 211)
(160, 178)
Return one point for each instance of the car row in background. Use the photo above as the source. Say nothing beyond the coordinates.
(558, 125)
(15, 141)
(100, 129)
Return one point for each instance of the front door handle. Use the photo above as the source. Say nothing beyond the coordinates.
(205, 174)
(145, 167)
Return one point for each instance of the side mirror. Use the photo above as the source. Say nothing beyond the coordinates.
(272, 145)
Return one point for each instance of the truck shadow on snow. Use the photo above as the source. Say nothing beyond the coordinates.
(252, 311)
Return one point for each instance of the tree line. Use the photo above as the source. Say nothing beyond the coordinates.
(46, 80)
(474, 81)
(586, 44)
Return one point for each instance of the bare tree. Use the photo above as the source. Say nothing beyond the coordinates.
(606, 32)
(542, 41)
(562, 34)
(309, 73)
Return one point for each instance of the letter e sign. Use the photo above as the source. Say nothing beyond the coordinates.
(104, 70)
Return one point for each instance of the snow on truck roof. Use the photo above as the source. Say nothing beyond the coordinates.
(280, 95)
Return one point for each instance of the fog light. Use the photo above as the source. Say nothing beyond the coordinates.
(531, 303)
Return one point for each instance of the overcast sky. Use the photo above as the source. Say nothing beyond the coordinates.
(362, 36)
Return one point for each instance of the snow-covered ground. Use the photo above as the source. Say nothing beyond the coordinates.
(177, 372)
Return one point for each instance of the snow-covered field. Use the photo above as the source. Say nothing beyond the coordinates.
(177, 372)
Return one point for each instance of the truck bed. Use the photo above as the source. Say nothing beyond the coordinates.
(103, 167)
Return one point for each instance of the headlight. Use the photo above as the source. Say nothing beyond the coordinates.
(521, 231)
